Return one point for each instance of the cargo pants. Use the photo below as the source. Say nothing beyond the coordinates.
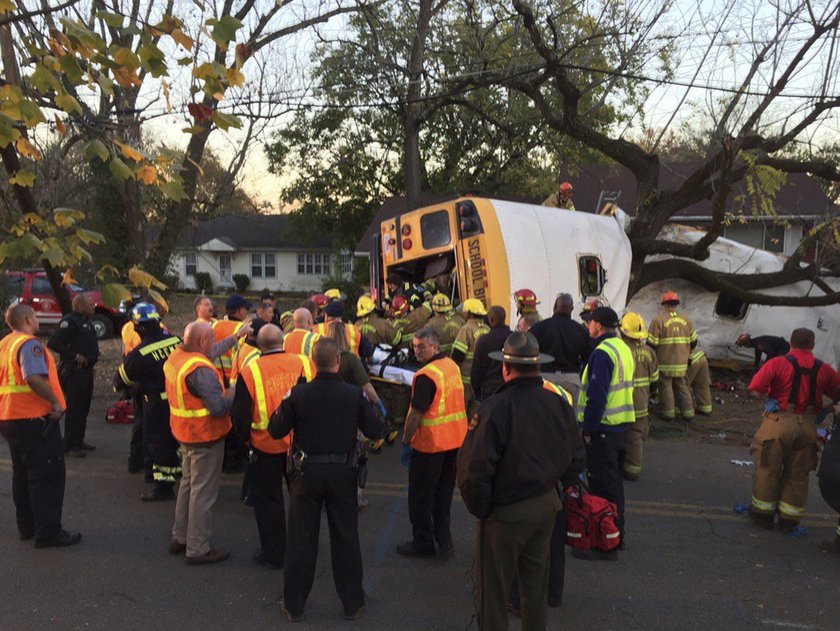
(700, 383)
(673, 391)
(784, 452)
(637, 434)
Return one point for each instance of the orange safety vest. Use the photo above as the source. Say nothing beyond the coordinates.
(558, 390)
(300, 342)
(17, 400)
(351, 332)
(190, 421)
(268, 379)
(223, 329)
(130, 338)
(444, 425)
(244, 356)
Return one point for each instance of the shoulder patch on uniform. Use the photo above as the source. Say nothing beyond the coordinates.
(64, 324)
(37, 350)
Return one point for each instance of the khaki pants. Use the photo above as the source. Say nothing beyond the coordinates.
(784, 451)
(637, 433)
(515, 541)
(202, 472)
(700, 383)
(671, 388)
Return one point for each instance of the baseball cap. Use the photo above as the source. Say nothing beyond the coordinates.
(334, 309)
(605, 317)
(236, 302)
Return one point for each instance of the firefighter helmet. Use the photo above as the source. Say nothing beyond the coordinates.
(399, 305)
(526, 301)
(633, 326)
(475, 307)
(144, 312)
(364, 306)
(565, 187)
(335, 294)
(670, 296)
(320, 300)
(441, 303)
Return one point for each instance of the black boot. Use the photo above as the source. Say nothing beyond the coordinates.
(762, 520)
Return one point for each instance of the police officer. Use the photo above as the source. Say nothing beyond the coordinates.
(605, 409)
(259, 390)
(31, 404)
(142, 372)
(325, 416)
(434, 429)
(76, 344)
(673, 337)
(375, 328)
(445, 322)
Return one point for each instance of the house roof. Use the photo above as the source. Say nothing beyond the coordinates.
(248, 231)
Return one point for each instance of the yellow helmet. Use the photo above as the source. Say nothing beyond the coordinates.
(474, 306)
(633, 326)
(441, 303)
(364, 306)
(334, 294)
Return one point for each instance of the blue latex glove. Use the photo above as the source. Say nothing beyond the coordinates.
(381, 408)
(771, 405)
(405, 455)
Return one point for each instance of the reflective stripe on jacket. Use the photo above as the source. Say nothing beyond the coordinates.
(244, 356)
(672, 334)
(558, 390)
(351, 332)
(17, 400)
(300, 342)
(190, 421)
(223, 329)
(619, 408)
(645, 373)
(444, 425)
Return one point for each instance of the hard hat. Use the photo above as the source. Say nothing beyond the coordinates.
(474, 306)
(320, 300)
(566, 186)
(144, 312)
(670, 296)
(400, 305)
(633, 325)
(335, 294)
(441, 303)
(526, 299)
(588, 307)
(364, 306)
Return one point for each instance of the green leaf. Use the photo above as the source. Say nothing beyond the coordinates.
(195, 129)
(106, 84)
(225, 121)
(55, 254)
(66, 217)
(24, 247)
(43, 80)
(224, 30)
(111, 19)
(71, 69)
(96, 149)
(23, 178)
(119, 169)
(114, 293)
(89, 236)
(68, 104)
(173, 190)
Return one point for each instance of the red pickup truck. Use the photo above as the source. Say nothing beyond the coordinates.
(32, 287)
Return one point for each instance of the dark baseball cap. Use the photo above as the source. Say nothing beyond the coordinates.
(236, 302)
(605, 317)
(334, 309)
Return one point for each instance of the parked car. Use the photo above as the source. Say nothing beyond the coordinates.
(32, 287)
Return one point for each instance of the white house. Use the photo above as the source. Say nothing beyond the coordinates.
(262, 247)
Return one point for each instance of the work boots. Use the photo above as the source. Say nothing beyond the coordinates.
(762, 520)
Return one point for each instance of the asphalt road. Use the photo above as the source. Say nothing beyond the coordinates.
(690, 563)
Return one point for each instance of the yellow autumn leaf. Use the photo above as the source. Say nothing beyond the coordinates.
(6, 6)
(235, 78)
(143, 279)
(165, 87)
(182, 38)
(129, 152)
(159, 301)
(23, 178)
(147, 174)
(68, 279)
(27, 149)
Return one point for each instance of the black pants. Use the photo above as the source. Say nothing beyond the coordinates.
(605, 463)
(557, 564)
(266, 485)
(236, 454)
(37, 475)
(335, 486)
(77, 385)
(431, 483)
(161, 444)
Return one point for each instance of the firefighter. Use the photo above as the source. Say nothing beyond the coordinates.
(645, 375)
(319, 301)
(375, 328)
(31, 405)
(262, 385)
(562, 198)
(673, 337)
(699, 382)
(446, 322)
(301, 340)
(336, 294)
(142, 373)
(409, 320)
(287, 318)
(463, 348)
(785, 448)
(526, 303)
(357, 343)
(414, 294)
(588, 307)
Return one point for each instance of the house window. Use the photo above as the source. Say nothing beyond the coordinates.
(774, 239)
(345, 263)
(592, 276)
(263, 265)
(311, 263)
(190, 263)
(728, 306)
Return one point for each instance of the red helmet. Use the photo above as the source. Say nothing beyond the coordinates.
(526, 300)
(670, 296)
(399, 304)
(320, 300)
(566, 187)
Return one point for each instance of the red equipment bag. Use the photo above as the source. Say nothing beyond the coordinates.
(121, 413)
(591, 521)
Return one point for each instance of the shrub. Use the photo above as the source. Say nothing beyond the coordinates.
(351, 289)
(241, 281)
(203, 282)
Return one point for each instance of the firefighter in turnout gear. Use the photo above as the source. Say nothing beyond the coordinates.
(785, 448)
(378, 330)
(142, 372)
(646, 373)
(407, 323)
(463, 348)
(699, 381)
(446, 322)
(673, 336)
(301, 340)
(526, 303)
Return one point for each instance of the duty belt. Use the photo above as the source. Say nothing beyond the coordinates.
(326, 458)
(148, 398)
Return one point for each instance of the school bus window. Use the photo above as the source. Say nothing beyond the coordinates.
(434, 229)
(592, 276)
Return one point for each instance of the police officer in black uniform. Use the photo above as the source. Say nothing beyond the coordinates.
(325, 415)
(76, 344)
(142, 372)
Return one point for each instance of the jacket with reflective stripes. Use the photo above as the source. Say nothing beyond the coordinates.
(378, 330)
(619, 408)
(645, 373)
(300, 342)
(268, 379)
(558, 390)
(223, 329)
(17, 400)
(351, 332)
(412, 322)
(672, 335)
(465, 341)
(190, 421)
(244, 356)
(446, 325)
(444, 425)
